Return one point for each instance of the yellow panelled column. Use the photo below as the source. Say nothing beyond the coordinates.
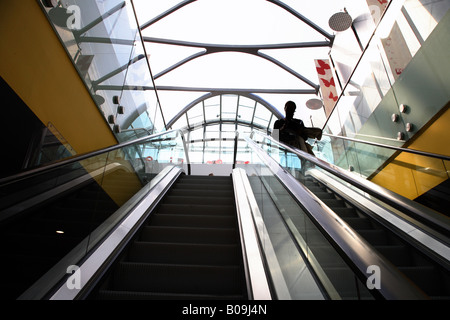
(413, 175)
(37, 67)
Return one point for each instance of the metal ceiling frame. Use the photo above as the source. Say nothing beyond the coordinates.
(209, 95)
(211, 49)
(249, 49)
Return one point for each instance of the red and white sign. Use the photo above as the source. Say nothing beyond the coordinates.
(377, 8)
(327, 84)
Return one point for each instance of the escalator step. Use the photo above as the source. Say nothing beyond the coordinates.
(132, 295)
(146, 277)
(316, 189)
(196, 208)
(208, 178)
(346, 212)
(309, 182)
(334, 203)
(201, 193)
(188, 220)
(201, 180)
(375, 237)
(325, 195)
(181, 253)
(199, 200)
(359, 223)
(398, 255)
(189, 235)
(197, 186)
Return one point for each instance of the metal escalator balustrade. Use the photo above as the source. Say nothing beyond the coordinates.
(355, 231)
(51, 217)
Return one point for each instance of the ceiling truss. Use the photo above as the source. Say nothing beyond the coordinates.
(255, 50)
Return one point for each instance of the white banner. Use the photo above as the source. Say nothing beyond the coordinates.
(327, 84)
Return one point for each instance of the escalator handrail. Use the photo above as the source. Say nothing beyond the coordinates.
(258, 287)
(414, 210)
(381, 145)
(394, 285)
(76, 158)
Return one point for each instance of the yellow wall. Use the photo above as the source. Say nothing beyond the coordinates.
(412, 175)
(35, 64)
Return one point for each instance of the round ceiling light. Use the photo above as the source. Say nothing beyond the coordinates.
(314, 104)
(340, 21)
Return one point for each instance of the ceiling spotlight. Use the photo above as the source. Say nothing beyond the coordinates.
(314, 104)
(340, 21)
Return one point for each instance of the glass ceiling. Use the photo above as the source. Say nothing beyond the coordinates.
(162, 65)
(242, 53)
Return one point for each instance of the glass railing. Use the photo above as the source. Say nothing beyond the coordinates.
(103, 40)
(133, 134)
(51, 217)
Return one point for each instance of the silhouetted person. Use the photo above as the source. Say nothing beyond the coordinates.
(293, 131)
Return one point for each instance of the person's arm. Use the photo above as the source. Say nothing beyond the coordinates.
(278, 124)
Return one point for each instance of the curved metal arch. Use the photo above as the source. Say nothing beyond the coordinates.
(166, 13)
(302, 18)
(252, 96)
(247, 49)
(275, 2)
(216, 122)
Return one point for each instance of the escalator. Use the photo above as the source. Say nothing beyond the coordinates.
(189, 248)
(182, 236)
(432, 277)
(366, 225)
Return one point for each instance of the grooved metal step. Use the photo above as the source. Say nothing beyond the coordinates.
(211, 209)
(184, 253)
(192, 220)
(175, 278)
(188, 235)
